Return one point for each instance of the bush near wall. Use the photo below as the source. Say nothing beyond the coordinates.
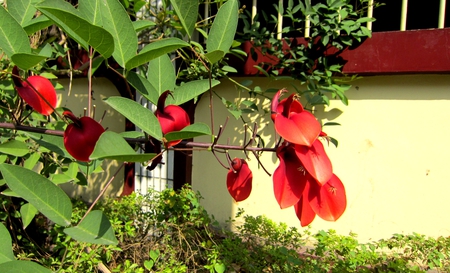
(171, 232)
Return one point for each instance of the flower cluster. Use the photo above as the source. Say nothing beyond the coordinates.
(304, 177)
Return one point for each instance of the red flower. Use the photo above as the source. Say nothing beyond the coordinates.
(299, 181)
(329, 200)
(303, 209)
(41, 95)
(81, 136)
(315, 160)
(292, 122)
(171, 117)
(239, 180)
(290, 177)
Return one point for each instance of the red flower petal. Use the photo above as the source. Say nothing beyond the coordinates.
(300, 128)
(289, 178)
(328, 201)
(171, 117)
(303, 209)
(316, 161)
(239, 180)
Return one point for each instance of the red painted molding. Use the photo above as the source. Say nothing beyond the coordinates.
(394, 52)
(412, 51)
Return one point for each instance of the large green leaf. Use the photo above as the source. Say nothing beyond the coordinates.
(23, 267)
(48, 198)
(22, 10)
(26, 60)
(137, 114)
(187, 11)
(14, 147)
(116, 21)
(111, 145)
(6, 253)
(143, 86)
(13, 39)
(191, 131)
(83, 32)
(90, 10)
(95, 229)
(154, 50)
(223, 29)
(37, 24)
(161, 74)
(190, 90)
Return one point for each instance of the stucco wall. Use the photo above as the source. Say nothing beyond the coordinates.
(76, 99)
(393, 158)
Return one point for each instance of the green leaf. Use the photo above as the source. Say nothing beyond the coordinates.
(91, 11)
(137, 114)
(116, 21)
(49, 199)
(161, 74)
(26, 60)
(191, 131)
(53, 143)
(187, 12)
(122, 151)
(71, 21)
(149, 265)
(154, 50)
(27, 212)
(13, 39)
(36, 24)
(190, 90)
(223, 29)
(220, 267)
(14, 147)
(143, 86)
(94, 229)
(6, 253)
(31, 161)
(22, 10)
(132, 134)
(214, 56)
(143, 24)
(23, 267)
(61, 178)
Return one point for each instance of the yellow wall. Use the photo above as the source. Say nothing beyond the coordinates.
(393, 158)
(76, 99)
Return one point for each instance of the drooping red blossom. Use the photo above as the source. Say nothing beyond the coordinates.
(303, 209)
(328, 201)
(81, 136)
(292, 122)
(36, 91)
(290, 177)
(171, 117)
(239, 180)
(315, 160)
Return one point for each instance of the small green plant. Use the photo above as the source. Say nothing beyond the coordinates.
(170, 231)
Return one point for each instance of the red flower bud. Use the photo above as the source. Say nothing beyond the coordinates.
(171, 117)
(81, 136)
(239, 180)
(37, 91)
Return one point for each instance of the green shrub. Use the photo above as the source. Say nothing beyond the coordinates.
(171, 232)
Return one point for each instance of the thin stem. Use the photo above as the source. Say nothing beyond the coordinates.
(90, 82)
(102, 192)
(184, 143)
